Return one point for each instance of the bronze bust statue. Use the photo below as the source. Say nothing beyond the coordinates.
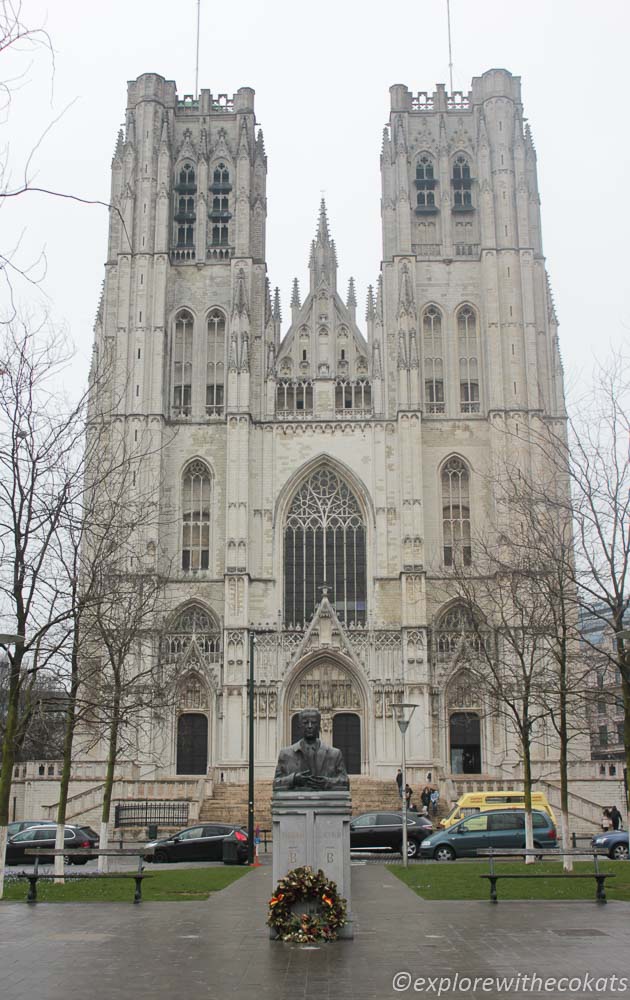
(310, 764)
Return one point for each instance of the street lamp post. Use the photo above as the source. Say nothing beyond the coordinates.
(250, 794)
(402, 713)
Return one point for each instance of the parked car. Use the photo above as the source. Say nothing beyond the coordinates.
(495, 828)
(615, 842)
(383, 832)
(23, 824)
(198, 843)
(44, 836)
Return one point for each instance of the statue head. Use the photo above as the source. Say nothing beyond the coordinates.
(309, 723)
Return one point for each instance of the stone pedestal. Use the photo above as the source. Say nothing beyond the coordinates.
(313, 828)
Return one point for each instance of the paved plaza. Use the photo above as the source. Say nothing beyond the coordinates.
(220, 949)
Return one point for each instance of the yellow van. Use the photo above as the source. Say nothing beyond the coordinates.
(474, 802)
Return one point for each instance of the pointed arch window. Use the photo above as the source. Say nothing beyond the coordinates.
(455, 481)
(194, 624)
(433, 360)
(215, 363)
(182, 364)
(425, 185)
(468, 360)
(462, 184)
(185, 206)
(324, 546)
(196, 498)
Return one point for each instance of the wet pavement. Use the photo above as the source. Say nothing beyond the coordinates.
(403, 946)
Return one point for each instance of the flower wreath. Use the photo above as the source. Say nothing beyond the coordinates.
(302, 885)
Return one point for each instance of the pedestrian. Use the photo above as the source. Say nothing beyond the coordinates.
(606, 821)
(413, 807)
(399, 783)
(408, 794)
(435, 798)
(426, 797)
(615, 817)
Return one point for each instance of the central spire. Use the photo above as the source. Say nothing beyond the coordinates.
(323, 261)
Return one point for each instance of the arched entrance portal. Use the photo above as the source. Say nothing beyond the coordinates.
(465, 742)
(192, 743)
(330, 687)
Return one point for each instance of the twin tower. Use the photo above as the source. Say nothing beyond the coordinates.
(319, 481)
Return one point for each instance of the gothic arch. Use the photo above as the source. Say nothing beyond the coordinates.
(301, 475)
(330, 682)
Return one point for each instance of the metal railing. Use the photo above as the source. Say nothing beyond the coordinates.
(150, 812)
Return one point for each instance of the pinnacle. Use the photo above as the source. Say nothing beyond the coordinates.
(351, 299)
(323, 236)
(295, 295)
(369, 309)
(277, 312)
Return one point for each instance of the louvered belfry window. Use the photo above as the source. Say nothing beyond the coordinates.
(324, 545)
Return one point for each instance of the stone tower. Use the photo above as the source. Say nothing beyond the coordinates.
(317, 485)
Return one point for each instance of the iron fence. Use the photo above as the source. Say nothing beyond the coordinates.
(144, 813)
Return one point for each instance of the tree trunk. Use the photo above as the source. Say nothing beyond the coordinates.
(527, 794)
(6, 769)
(567, 862)
(625, 687)
(103, 862)
(66, 766)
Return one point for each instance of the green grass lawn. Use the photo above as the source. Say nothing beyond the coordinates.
(178, 885)
(460, 880)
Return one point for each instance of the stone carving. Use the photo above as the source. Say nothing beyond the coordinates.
(310, 764)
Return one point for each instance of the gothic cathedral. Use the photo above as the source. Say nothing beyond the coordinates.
(317, 482)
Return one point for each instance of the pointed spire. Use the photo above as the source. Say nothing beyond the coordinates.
(295, 295)
(277, 312)
(323, 258)
(322, 229)
(369, 308)
(268, 315)
(529, 139)
(379, 298)
(260, 144)
(351, 299)
(385, 143)
(118, 150)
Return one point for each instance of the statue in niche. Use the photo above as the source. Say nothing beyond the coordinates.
(310, 764)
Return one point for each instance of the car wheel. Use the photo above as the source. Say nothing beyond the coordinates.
(80, 861)
(444, 853)
(412, 848)
(619, 852)
(161, 857)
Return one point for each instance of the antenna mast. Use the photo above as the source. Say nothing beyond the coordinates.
(197, 59)
(450, 54)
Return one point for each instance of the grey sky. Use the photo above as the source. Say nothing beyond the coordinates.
(322, 74)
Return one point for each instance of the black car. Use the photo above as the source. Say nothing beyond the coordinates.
(45, 836)
(199, 843)
(383, 832)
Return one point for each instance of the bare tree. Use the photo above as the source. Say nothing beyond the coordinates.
(40, 433)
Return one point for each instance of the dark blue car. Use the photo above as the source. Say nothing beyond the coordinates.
(615, 842)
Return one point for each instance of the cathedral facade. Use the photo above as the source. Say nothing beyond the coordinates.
(318, 482)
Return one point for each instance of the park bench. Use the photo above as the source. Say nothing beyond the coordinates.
(495, 852)
(91, 852)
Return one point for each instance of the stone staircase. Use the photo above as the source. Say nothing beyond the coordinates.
(229, 802)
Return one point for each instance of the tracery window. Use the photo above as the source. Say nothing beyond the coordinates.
(456, 512)
(433, 361)
(454, 626)
(324, 545)
(196, 496)
(462, 183)
(468, 361)
(182, 365)
(353, 397)
(194, 623)
(425, 184)
(215, 363)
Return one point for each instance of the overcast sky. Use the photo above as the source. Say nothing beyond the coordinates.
(322, 72)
